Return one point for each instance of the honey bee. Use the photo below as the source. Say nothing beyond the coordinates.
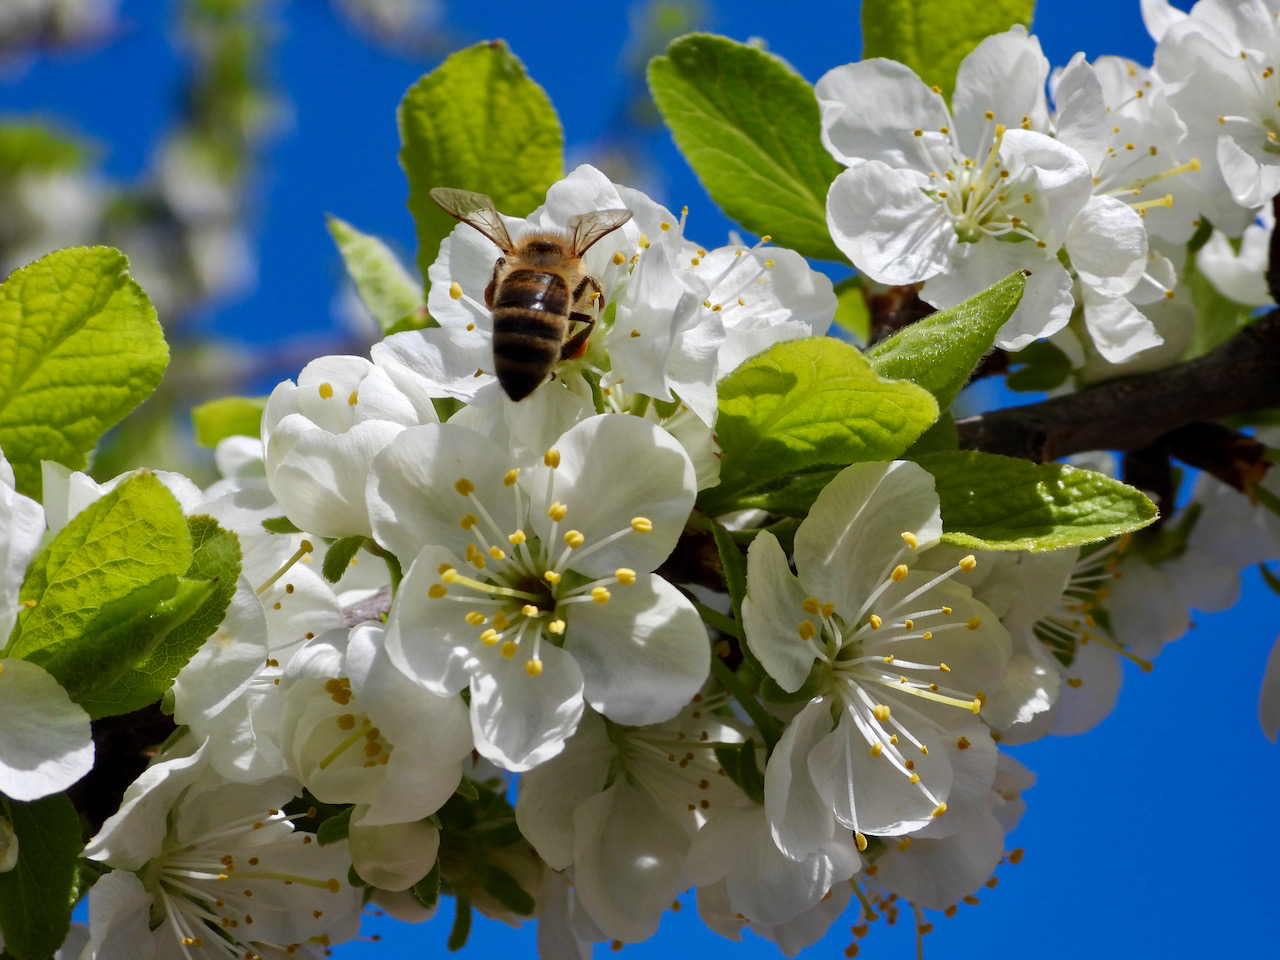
(540, 291)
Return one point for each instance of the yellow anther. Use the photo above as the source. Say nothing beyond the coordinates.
(501, 620)
(448, 574)
(509, 648)
(476, 618)
(634, 334)
(899, 573)
(551, 576)
(455, 290)
(770, 262)
(529, 610)
(694, 261)
(468, 521)
(976, 706)
(641, 524)
(619, 259)
(908, 624)
(911, 539)
(915, 778)
(860, 841)
(664, 225)
(489, 637)
(517, 538)
(807, 630)
(465, 487)
(600, 594)
(626, 576)
(326, 391)
(551, 458)
(436, 591)
(877, 748)
(509, 478)
(967, 564)
(533, 668)
(644, 241)
(944, 668)
(881, 712)
(974, 623)
(946, 611)
(828, 609)
(905, 842)
(574, 538)
(557, 511)
(496, 554)
(556, 627)
(811, 605)
(875, 622)
(353, 397)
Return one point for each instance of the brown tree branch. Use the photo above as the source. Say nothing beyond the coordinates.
(1241, 375)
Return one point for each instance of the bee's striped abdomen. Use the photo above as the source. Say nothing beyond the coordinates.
(530, 317)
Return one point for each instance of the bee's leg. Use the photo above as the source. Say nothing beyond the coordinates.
(493, 283)
(586, 303)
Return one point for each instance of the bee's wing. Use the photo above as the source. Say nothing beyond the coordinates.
(476, 210)
(585, 229)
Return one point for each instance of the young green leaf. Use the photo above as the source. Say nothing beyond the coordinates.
(805, 404)
(940, 351)
(79, 348)
(227, 417)
(131, 537)
(338, 557)
(1002, 503)
(734, 563)
(477, 122)
(852, 319)
(181, 624)
(933, 36)
(385, 286)
(336, 828)
(37, 895)
(748, 125)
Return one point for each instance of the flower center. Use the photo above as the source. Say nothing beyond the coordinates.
(522, 593)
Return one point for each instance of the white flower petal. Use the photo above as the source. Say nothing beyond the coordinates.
(869, 110)
(520, 721)
(643, 654)
(885, 223)
(45, 744)
(771, 613)
(800, 818)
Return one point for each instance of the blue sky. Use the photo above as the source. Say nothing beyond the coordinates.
(1123, 851)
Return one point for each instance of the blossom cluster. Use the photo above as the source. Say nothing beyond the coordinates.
(525, 608)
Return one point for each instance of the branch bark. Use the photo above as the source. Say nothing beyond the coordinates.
(1240, 376)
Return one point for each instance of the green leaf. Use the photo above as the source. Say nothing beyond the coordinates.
(933, 36)
(803, 405)
(1040, 366)
(30, 147)
(734, 563)
(385, 286)
(461, 928)
(852, 319)
(182, 624)
(477, 122)
(940, 351)
(37, 895)
(79, 348)
(1218, 317)
(748, 125)
(228, 417)
(338, 557)
(1003, 503)
(280, 525)
(336, 828)
(427, 890)
(118, 636)
(505, 889)
(132, 537)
